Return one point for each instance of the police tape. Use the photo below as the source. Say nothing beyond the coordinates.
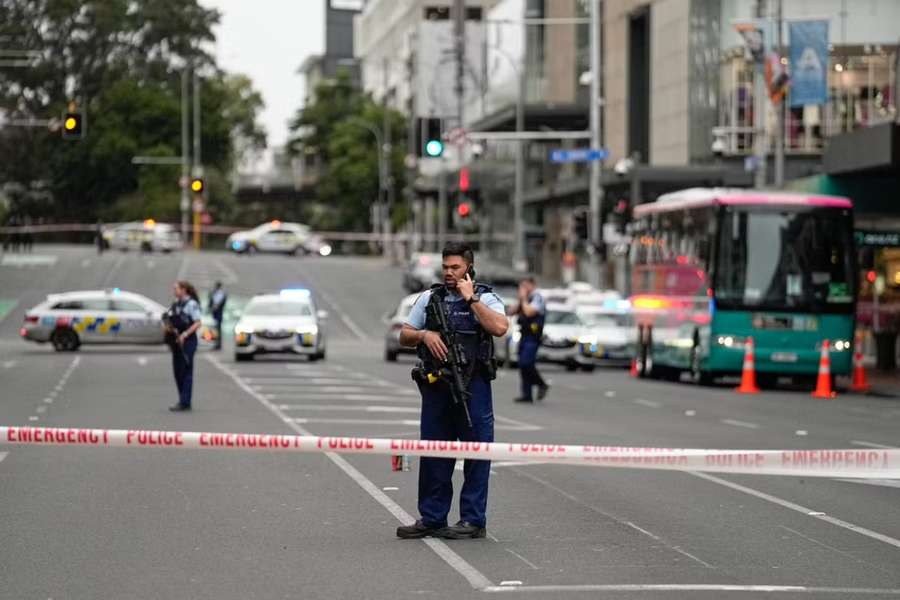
(854, 463)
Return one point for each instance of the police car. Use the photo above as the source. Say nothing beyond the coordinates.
(147, 236)
(278, 237)
(283, 323)
(71, 319)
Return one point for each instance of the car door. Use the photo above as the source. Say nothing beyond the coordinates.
(278, 240)
(136, 324)
(91, 323)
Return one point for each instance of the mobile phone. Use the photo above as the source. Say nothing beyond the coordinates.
(471, 272)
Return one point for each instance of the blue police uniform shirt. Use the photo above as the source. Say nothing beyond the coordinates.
(537, 302)
(218, 298)
(416, 318)
(191, 309)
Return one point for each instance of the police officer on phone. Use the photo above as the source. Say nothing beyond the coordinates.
(531, 310)
(474, 314)
(182, 321)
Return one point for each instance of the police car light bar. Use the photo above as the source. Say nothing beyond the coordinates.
(294, 293)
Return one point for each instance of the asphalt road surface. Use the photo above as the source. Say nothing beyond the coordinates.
(138, 523)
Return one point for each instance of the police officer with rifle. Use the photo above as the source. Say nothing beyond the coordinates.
(181, 322)
(452, 326)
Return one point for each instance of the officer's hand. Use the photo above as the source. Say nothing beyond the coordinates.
(465, 287)
(435, 345)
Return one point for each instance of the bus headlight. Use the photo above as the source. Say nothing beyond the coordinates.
(835, 346)
(731, 341)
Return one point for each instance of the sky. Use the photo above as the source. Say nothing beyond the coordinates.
(268, 40)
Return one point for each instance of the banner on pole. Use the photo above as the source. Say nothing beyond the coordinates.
(809, 62)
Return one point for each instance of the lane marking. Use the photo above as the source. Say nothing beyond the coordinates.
(85, 263)
(9, 364)
(690, 413)
(344, 407)
(849, 555)
(40, 409)
(610, 516)
(475, 578)
(33, 418)
(610, 394)
(113, 271)
(183, 268)
(3, 455)
(307, 381)
(649, 403)
(6, 307)
(142, 361)
(801, 432)
(229, 276)
(869, 444)
(799, 508)
(891, 483)
(523, 559)
(736, 423)
(391, 422)
(689, 587)
(347, 397)
(336, 389)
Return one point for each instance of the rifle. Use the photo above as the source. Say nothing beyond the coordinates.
(455, 361)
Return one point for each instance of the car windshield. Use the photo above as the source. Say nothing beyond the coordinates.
(605, 320)
(798, 260)
(561, 317)
(278, 309)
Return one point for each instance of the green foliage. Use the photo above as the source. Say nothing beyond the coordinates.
(336, 126)
(122, 62)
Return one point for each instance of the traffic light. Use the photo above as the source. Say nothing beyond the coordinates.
(581, 224)
(621, 215)
(464, 209)
(197, 185)
(464, 180)
(72, 125)
(431, 143)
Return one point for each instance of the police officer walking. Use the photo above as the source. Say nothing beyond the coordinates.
(473, 314)
(182, 322)
(531, 310)
(217, 300)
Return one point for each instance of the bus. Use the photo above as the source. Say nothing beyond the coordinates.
(712, 268)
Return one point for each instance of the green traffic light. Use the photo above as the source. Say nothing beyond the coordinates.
(434, 148)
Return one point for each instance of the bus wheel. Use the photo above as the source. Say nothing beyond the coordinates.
(698, 375)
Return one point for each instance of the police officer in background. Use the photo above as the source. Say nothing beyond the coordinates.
(475, 314)
(217, 300)
(531, 310)
(182, 321)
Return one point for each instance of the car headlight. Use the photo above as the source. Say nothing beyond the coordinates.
(310, 329)
(587, 339)
(731, 341)
(325, 250)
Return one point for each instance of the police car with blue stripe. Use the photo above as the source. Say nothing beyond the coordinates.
(114, 316)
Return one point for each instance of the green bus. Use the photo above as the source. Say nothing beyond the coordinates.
(712, 268)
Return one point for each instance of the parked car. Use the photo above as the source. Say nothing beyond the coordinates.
(422, 270)
(146, 236)
(610, 334)
(394, 321)
(565, 335)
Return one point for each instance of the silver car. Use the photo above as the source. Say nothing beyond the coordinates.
(395, 321)
(71, 319)
(283, 323)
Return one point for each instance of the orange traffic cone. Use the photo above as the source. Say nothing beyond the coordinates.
(748, 373)
(859, 383)
(634, 370)
(823, 384)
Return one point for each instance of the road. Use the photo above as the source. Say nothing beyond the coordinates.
(139, 523)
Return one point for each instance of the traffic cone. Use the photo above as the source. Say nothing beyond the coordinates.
(634, 370)
(859, 383)
(748, 373)
(823, 384)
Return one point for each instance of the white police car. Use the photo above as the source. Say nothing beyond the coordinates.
(278, 237)
(146, 236)
(71, 319)
(283, 323)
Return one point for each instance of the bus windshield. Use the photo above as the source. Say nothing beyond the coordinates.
(785, 259)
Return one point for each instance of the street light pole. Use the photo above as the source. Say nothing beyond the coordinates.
(382, 167)
(595, 191)
(185, 156)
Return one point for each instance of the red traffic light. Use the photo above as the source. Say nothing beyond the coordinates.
(463, 209)
(464, 179)
(871, 276)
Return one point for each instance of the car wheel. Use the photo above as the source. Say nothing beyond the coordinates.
(242, 357)
(390, 356)
(587, 368)
(65, 340)
(571, 366)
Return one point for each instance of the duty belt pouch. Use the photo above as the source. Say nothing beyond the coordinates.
(489, 369)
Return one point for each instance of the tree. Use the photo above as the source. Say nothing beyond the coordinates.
(334, 127)
(122, 62)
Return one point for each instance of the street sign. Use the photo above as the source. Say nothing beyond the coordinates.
(578, 155)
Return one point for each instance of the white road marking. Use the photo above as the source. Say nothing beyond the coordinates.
(48, 400)
(85, 263)
(690, 413)
(475, 578)
(14, 304)
(329, 389)
(736, 423)
(142, 361)
(33, 418)
(307, 381)
(801, 432)
(390, 488)
(9, 364)
(183, 268)
(519, 425)
(610, 394)
(229, 276)
(389, 422)
(40, 409)
(28, 260)
(650, 403)
(346, 397)
(344, 407)
(3, 455)
(524, 560)
(869, 444)
(689, 587)
(799, 508)
(150, 264)
(113, 271)
(353, 327)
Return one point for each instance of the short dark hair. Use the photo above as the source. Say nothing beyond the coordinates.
(459, 249)
(528, 279)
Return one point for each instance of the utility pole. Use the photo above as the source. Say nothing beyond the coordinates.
(760, 139)
(198, 162)
(185, 155)
(779, 134)
(459, 33)
(595, 189)
(519, 260)
(388, 201)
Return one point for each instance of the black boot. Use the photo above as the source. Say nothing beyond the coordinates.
(415, 531)
(461, 531)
